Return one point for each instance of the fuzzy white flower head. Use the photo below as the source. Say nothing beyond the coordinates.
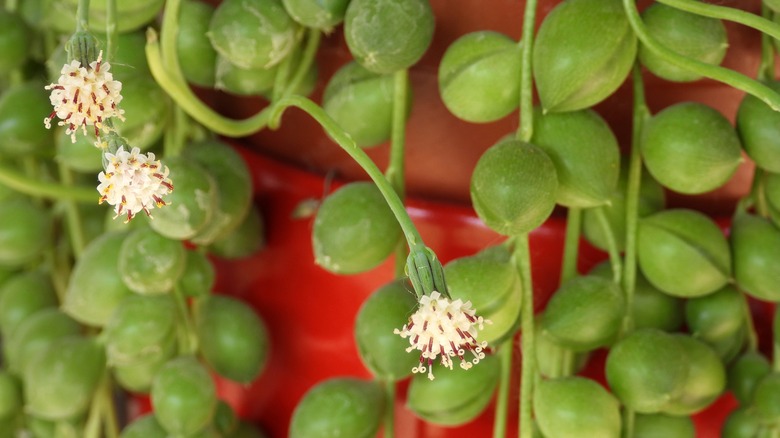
(85, 97)
(133, 181)
(441, 327)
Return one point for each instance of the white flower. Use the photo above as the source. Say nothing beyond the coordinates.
(85, 97)
(133, 182)
(446, 328)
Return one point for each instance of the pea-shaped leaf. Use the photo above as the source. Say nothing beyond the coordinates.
(729, 346)
(192, 204)
(646, 369)
(741, 423)
(81, 155)
(140, 329)
(552, 358)
(574, 407)
(650, 307)
(233, 338)
(150, 263)
(745, 373)
(706, 379)
(585, 313)
(513, 187)
(199, 275)
(651, 200)
(354, 229)
(716, 315)
(21, 107)
(197, 57)
(10, 395)
(362, 103)
(383, 352)
(690, 148)
(139, 376)
(252, 33)
(317, 14)
(23, 295)
(14, 42)
(693, 36)
(146, 108)
(683, 253)
(756, 246)
(243, 241)
(772, 193)
(35, 333)
(490, 281)
(130, 14)
(479, 76)
(661, 425)
(759, 128)
(183, 396)
(339, 407)
(583, 52)
(243, 81)
(26, 230)
(95, 287)
(388, 36)
(585, 153)
(456, 396)
(766, 398)
(60, 381)
(145, 426)
(233, 183)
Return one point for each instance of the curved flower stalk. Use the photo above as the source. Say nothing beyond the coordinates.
(133, 182)
(85, 96)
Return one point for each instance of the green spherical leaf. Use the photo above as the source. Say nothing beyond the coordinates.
(382, 351)
(81, 155)
(456, 396)
(233, 339)
(690, 148)
(197, 57)
(550, 354)
(766, 399)
(22, 109)
(25, 232)
(354, 230)
(35, 333)
(59, 382)
(716, 315)
(140, 330)
(585, 313)
(146, 426)
(95, 288)
(243, 241)
(243, 81)
(146, 108)
(387, 36)
(585, 153)
(745, 373)
(513, 187)
(694, 36)
(339, 407)
(741, 423)
(576, 407)
(14, 42)
(130, 14)
(683, 253)
(317, 14)
(138, 377)
(647, 369)
(583, 52)
(663, 426)
(10, 395)
(705, 382)
(150, 263)
(192, 203)
(755, 243)
(479, 76)
(23, 295)
(252, 33)
(199, 275)
(183, 396)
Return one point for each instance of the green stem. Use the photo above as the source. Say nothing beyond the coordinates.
(526, 130)
(388, 425)
(612, 250)
(628, 422)
(38, 188)
(528, 344)
(281, 80)
(775, 341)
(726, 13)
(307, 59)
(758, 194)
(505, 352)
(752, 335)
(766, 70)
(111, 29)
(180, 92)
(169, 31)
(92, 427)
(571, 244)
(110, 423)
(395, 172)
(72, 215)
(82, 16)
(724, 75)
(346, 142)
(188, 337)
(640, 115)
